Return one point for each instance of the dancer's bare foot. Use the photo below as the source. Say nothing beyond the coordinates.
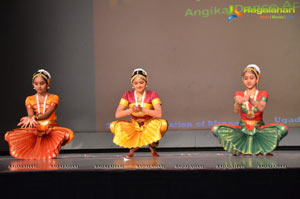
(131, 153)
(153, 151)
(155, 155)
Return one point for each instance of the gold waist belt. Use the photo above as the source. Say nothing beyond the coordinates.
(49, 122)
(250, 122)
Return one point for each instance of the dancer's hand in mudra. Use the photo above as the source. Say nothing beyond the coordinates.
(252, 101)
(239, 99)
(136, 108)
(246, 98)
(26, 122)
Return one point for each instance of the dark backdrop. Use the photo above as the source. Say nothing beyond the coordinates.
(56, 35)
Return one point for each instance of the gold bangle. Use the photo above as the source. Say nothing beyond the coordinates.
(256, 104)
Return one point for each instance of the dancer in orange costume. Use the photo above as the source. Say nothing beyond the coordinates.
(145, 108)
(39, 137)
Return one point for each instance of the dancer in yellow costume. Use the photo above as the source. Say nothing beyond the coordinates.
(145, 108)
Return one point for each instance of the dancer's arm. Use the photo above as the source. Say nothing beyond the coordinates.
(157, 112)
(259, 105)
(122, 111)
(47, 114)
(237, 104)
(31, 119)
(236, 107)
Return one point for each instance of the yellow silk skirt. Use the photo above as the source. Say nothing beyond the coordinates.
(132, 134)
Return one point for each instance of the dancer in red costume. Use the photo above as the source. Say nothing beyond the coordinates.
(39, 137)
(252, 136)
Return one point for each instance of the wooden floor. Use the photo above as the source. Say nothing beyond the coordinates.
(204, 160)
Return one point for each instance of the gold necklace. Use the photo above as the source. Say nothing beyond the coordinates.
(250, 112)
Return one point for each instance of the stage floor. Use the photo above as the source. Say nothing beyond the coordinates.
(193, 160)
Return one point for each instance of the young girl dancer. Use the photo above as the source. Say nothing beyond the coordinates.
(252, 136)
(144, 108)
(39, 137)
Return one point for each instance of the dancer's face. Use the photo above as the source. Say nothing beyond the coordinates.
(249, 80)
(40, 85)
(139, 84)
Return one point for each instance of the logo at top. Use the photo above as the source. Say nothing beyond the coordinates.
(235, 15)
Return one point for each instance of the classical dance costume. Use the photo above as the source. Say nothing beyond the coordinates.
(43, 141)
(143, 129)
(251, 136)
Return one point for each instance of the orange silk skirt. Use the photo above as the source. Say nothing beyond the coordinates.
(38, 143)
